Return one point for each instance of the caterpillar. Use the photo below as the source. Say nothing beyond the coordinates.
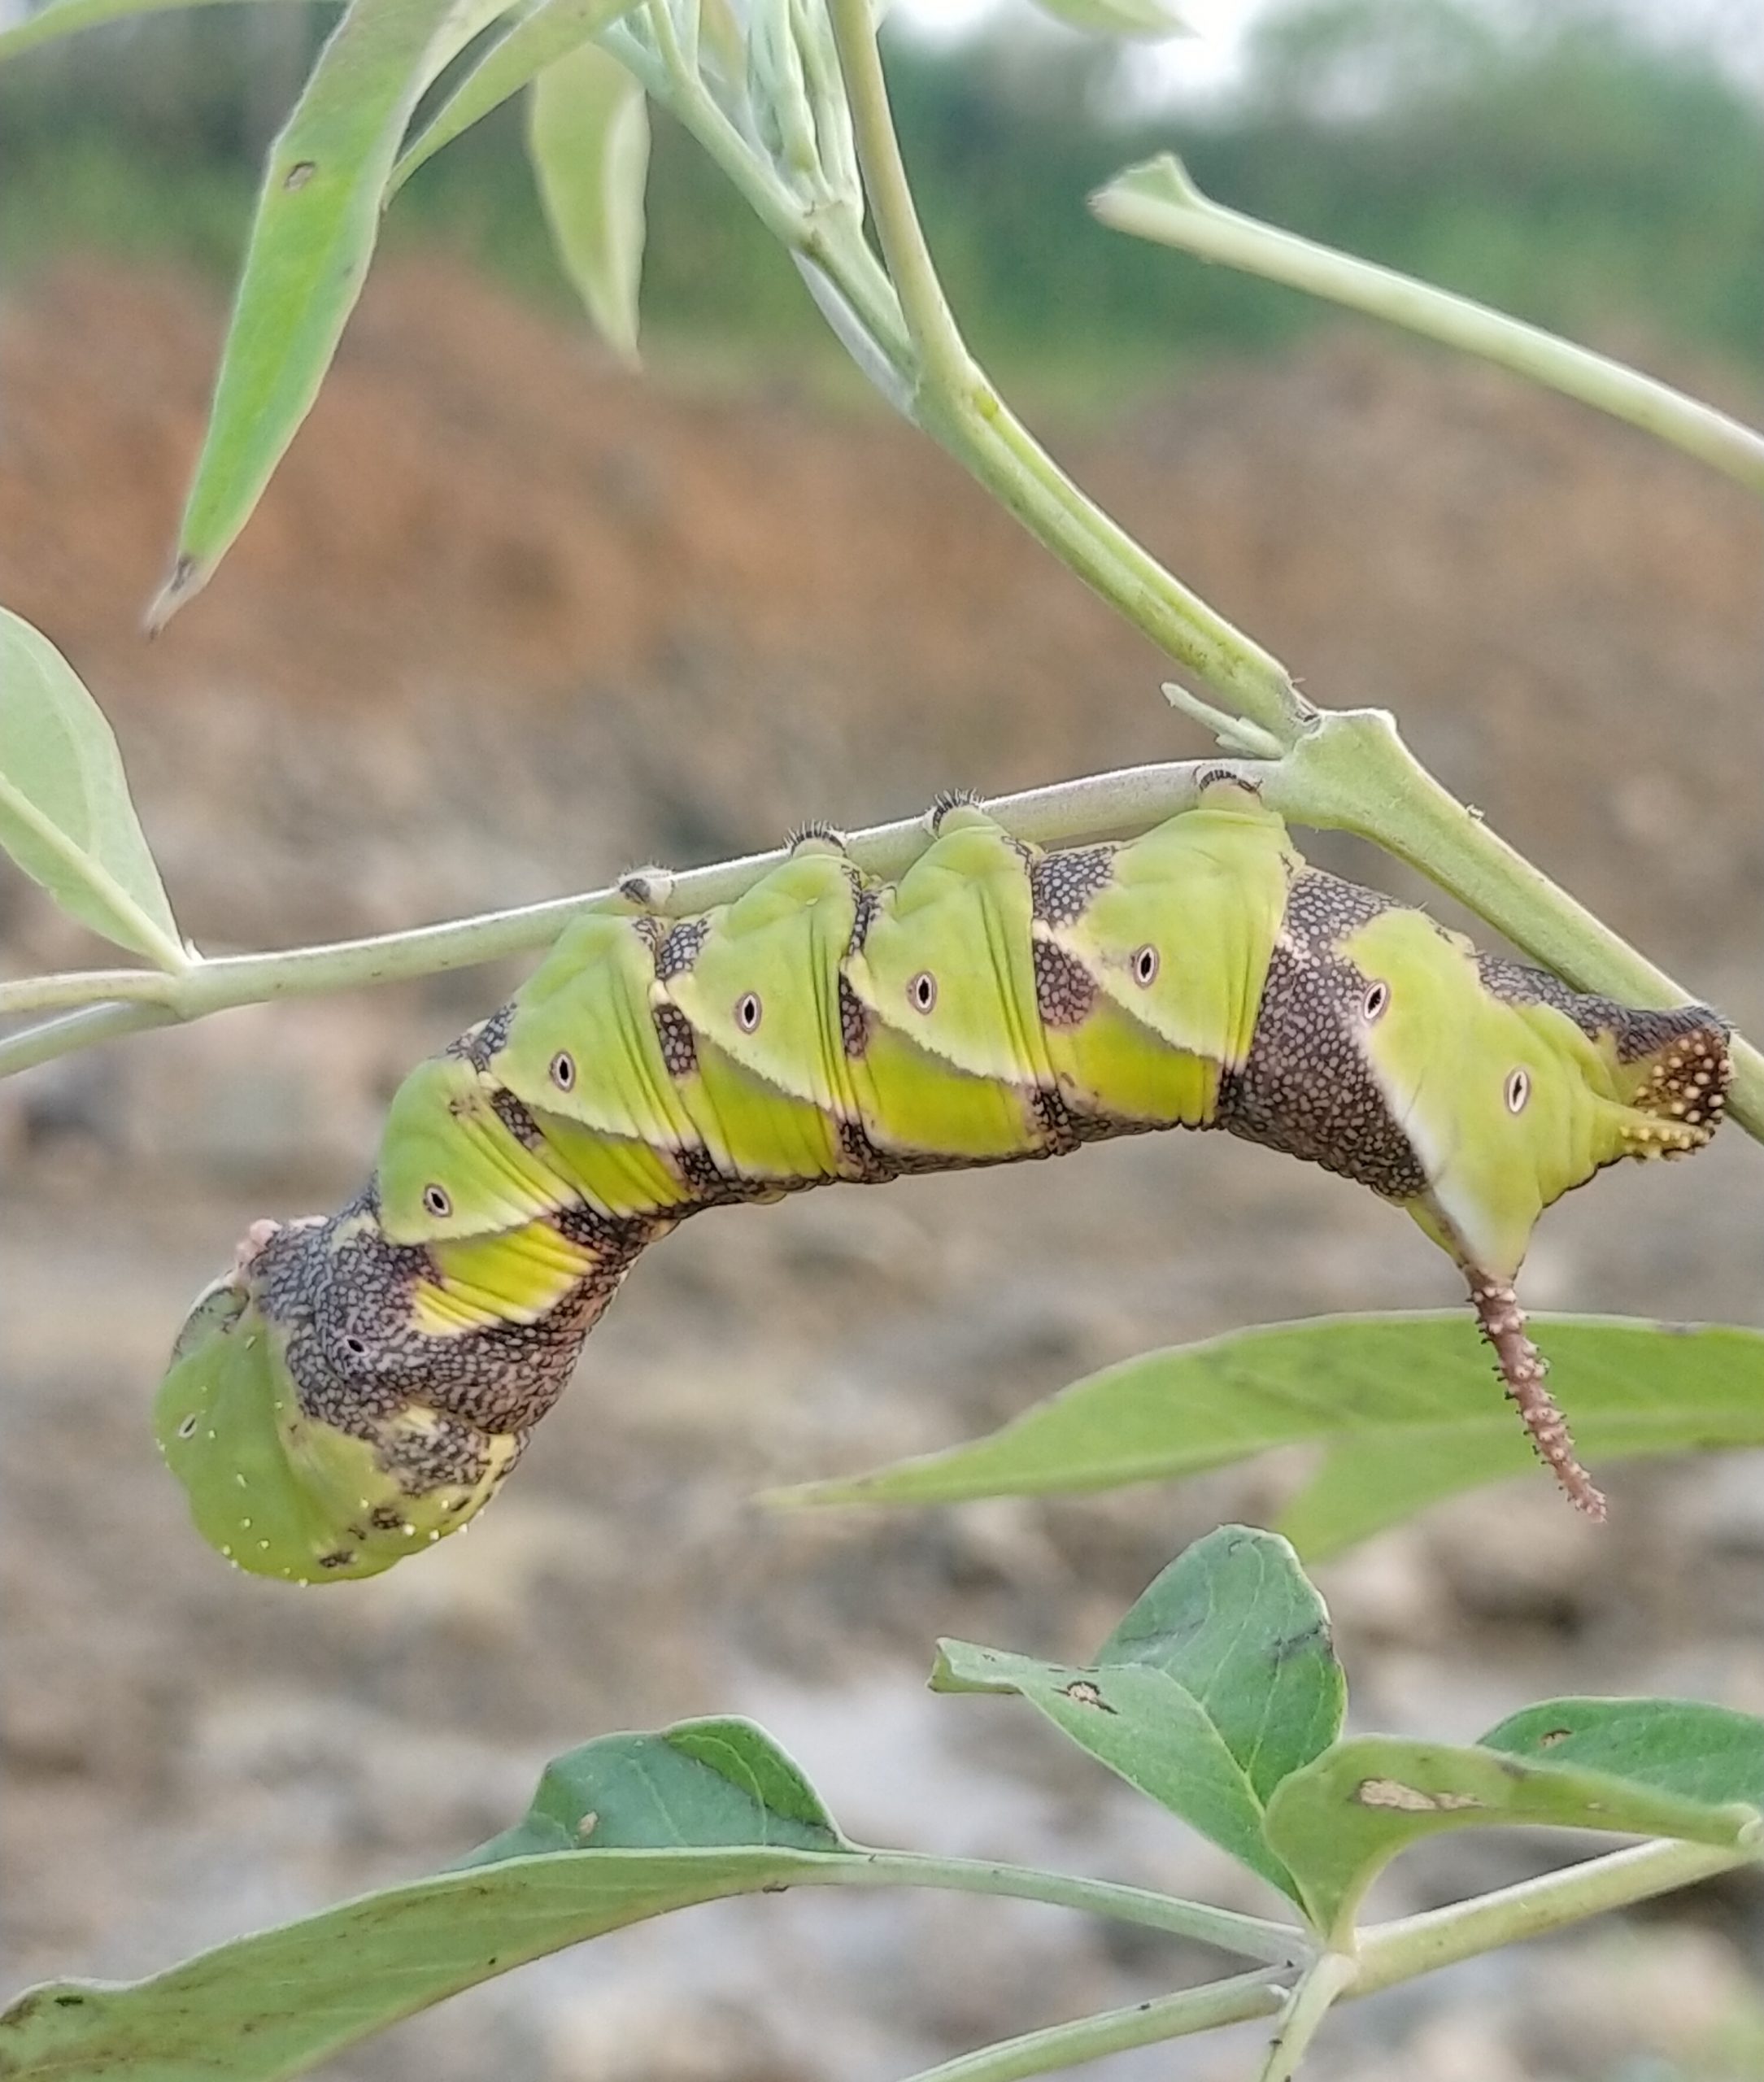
(358, 1385)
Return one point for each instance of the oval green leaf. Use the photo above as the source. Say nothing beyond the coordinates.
(65, 813)
(1340, 1821)
(716, 1781)
(1218, 1683)
(313, 237)
(588, 138)
(701, 1811)
(542, 33)
(1405, 1405)
(1675, 1745)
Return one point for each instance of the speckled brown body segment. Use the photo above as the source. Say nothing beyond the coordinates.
(1306, 1087)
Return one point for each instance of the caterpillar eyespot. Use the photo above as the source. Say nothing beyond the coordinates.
(347, 1366)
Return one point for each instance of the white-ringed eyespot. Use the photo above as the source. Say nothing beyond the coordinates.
(1519, 1089)
(1373, 1004)
(747, 1011)
(921, 992)
(438, 1201)
(1145, 966)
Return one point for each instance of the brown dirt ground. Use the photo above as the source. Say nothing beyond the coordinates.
(509, 620)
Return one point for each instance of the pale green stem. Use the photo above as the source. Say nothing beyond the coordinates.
(943, 354)
(954, 402)
(1350, 772)
(1330, 1976)
(1101, 806)
(1160, 201)
(1179, 2016)
(1393, 1952)
(1276, 1945)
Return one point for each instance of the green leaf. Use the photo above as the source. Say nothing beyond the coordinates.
(317, 219)
(1237, 1624)
(1218, 1683)
(1128, 18)
(719, 1781)
(588, 138)
(543, 32)
(1341, 1820)
(1675, 1745)
(703, 1810)
(69, 17)
(1406, 1405)
(65, 814)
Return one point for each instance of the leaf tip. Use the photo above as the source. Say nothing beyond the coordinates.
(189, 577)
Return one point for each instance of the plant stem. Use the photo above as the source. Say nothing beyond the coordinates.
(1114, 2031)
(1101, 806)
(1329, 1976)
(1160, 201)
(1275, 1945)
(1393, 1952)
(941, 353)
(909, 321)
(1350, 771)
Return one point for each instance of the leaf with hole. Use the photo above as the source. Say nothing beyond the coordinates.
(1219, 1682)
(1675, 1745)
(1340, 1820)
(65, 813)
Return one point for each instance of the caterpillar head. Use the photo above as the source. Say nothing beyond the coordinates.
(293, 1467)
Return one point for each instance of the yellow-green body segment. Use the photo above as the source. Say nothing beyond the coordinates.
(360, 1385)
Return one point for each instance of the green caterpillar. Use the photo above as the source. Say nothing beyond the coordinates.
(360, 1385)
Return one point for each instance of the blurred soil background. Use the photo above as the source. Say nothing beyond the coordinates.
(511, 620)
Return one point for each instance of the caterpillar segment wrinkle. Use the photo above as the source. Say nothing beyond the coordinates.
(360, 1385)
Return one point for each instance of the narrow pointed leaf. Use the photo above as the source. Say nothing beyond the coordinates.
(702, 1811)
(1405, 1404)
(548, 31)
(1675, 1745)
(70, 17)
(317, 219)
(65, 813)
(1218, 1683)
(588, 138)
(1341, 1820)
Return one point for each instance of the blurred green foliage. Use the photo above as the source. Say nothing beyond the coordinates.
(1552, 159)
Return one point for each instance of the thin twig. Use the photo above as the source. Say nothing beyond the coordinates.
(1160, 201)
